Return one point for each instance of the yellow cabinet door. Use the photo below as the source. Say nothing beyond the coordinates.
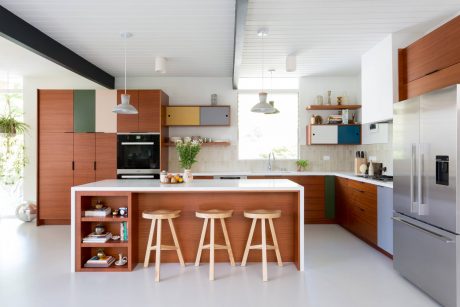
(183, 116)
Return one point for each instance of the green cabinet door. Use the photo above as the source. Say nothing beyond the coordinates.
(84, 110)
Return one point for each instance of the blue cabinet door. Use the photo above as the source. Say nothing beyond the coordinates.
(350, 134)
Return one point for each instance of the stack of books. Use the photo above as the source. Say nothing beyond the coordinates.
(334, 119)
(95, 238)
(96, 262)
(124, 231)
(104, 211)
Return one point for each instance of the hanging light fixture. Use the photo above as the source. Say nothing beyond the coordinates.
(271, 102)
(160, 64)
(262, 106)
(125, 107)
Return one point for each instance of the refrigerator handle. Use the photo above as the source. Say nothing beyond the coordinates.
(430, 233)
(413, 155)
(422, 208)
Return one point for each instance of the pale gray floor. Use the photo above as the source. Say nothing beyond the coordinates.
(340, 271)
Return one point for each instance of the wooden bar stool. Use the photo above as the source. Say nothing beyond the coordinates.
(262, 215)
(212, 215)
(157, 217)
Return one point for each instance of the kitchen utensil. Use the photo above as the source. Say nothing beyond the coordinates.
(361, 154)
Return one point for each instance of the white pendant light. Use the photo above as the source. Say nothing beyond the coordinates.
(262, 106)
(125, 107)
(271, 102)
(160, 64)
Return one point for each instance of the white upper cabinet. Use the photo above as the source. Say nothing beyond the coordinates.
(379, 81)
(106, 120)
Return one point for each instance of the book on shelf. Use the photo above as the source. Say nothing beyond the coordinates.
(95, 238)
(123, 231)
(103, 212)
(96, 262)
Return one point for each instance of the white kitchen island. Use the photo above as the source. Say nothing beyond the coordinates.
(139, 195)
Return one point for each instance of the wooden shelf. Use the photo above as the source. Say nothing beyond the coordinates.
(110, 243)
(108, 219)
(335, 124)
(334, 107)
(112, 268)
(205, 144)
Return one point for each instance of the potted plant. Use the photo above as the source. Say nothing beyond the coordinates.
(187, 152)
(10, 125)
(301, 165)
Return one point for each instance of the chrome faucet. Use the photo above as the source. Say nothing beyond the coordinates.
(271, 155)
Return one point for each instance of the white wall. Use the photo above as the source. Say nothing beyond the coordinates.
(30, 86)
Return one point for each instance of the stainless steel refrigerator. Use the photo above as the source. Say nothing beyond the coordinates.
(426, 193)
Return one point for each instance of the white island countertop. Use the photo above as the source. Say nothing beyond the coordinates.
(149, 185)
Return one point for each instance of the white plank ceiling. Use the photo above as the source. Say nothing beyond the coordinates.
(196, 36)
(328, 36)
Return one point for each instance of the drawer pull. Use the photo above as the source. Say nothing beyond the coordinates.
(432, 234)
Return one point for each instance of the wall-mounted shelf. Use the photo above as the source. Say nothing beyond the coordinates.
(205, 144)
(326, 107)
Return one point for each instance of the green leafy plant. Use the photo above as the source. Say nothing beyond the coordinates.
(301, 165)
(10, 125)
(187, 152)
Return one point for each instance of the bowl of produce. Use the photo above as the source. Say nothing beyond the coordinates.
(171, 178)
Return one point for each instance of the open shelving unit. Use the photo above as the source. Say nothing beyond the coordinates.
(85, 225)
(327, 107)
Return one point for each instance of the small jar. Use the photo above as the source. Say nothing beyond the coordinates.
(163, 176)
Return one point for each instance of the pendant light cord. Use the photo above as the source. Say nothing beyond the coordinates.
(125, 62)
(263, 61)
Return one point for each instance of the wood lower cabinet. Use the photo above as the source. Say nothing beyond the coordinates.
(55, 157)
(106, 156)
(84, 155)
(356, 207)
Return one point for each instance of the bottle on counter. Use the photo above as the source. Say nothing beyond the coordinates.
(163, 176)
(371, 169)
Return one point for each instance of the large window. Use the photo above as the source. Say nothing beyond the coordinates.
(260, 134)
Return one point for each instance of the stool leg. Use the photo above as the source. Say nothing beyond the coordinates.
(264, 251)
(248, 244)
(158, 252)
(200, 246)
(275, 242)
(176, 242)
(149, 244)
(211, 251)
(227, 242)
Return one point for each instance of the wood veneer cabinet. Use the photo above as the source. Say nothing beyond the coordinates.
(430, 63)
(106, 156)
(55, 110)
(84, 157)
(356, 204)
(128, 122)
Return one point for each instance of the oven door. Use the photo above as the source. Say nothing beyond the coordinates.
(138, 154)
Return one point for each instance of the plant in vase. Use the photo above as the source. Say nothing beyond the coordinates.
(301, 165)
(187, 152)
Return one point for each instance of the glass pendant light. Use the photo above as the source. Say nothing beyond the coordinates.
(262, 106)
(271, 102)
(125, 107)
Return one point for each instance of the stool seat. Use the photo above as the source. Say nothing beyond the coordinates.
(262, 214)
(161, 214)
(214, 214)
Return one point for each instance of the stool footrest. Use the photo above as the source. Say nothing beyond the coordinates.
(164, 248)
(216, 246)
(260, 246)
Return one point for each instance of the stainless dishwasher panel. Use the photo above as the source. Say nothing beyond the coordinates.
(427, 256)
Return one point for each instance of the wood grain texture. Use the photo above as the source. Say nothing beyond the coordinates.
(164, 148)
(188, 227)
(84, 151)
(55, 110)
(125, 122)
(106, 156)
(435, 51)
(55, 177)
(149, 111)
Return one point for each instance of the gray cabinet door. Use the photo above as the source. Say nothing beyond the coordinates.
(385, 223)
(215, 116)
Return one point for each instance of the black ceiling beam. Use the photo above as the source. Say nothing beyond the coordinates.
(17, 30)
(241, 10)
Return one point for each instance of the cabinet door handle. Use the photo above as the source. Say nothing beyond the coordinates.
(73, 165)
(94, 165)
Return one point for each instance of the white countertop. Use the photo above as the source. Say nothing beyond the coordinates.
(348, 175)
(148, 185)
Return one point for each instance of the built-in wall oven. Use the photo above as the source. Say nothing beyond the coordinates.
(138, 156)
